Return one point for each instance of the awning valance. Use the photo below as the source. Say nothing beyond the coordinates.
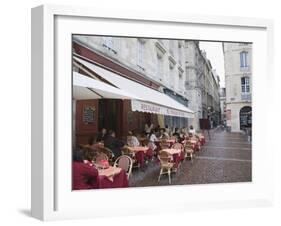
(145, 106)
(85, 88)
(147, 99)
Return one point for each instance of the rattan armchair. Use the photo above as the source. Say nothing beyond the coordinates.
(126, 163)
(165, 164)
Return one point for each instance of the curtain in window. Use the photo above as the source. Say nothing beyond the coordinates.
(244, 59)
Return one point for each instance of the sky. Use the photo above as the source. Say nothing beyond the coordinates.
(215, 54)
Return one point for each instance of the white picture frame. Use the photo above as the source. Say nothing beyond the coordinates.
(52, 197)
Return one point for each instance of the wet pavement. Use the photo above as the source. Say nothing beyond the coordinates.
(227, 157)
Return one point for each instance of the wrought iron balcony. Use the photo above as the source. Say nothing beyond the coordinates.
(245, 68)
(246, 96)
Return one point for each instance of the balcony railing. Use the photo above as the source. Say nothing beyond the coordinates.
(245, 68)
(246, 96)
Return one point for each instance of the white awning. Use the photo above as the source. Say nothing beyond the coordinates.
(85, 88)
(148, 100)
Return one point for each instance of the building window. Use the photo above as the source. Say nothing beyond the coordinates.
(245, 85)
(244, 61)
(181, 82)
(159, 71)
(110, 43)
(171, 47)
(172, 79)
(180, 55)
(140, 54)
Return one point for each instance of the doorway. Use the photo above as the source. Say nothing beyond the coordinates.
(245, 117)
(110, 115)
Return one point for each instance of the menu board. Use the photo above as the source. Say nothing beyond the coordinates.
(88, 114)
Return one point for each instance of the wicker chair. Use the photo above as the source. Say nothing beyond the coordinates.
(163, 144)
(165, 164)
(126, 163)
(101, 156)
(126, 151)
(108, 153)
(178, 146)
(189, 152)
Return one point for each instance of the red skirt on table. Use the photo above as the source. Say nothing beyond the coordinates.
(140, 156)
(177, 158)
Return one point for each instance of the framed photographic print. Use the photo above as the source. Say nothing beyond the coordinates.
(133, 112)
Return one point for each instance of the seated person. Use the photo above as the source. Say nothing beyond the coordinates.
(167, 130)
(152, 138)
(183, 133)
(113, 144)
(92, 143)
(163, 134)
(148, 127)
(84, 176)
(89, 155)
(157, 130)
(177, 134)
(102, 135)
(191, 131)
(132, 140)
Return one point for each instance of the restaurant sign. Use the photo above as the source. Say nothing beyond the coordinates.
(158, 109)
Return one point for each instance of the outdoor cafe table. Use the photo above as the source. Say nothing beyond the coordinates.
(202, 139)
(140, 152)
(195, 145)
(178, 155)
(112, 177)
(98, 145)
(170, 141)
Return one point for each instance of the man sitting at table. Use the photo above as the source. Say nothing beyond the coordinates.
(113, 144)
(132, 140)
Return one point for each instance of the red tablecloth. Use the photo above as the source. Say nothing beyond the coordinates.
(171, 142)
(195, 145)
(141, 153)
(120, 180)
(97, 145)
(177, 158)
(202, 140)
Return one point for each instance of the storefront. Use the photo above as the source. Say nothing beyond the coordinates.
(138, 105)
(173, 121)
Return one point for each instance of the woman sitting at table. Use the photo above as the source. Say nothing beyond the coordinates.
(151, 139)
(84, 176)
(132, 140)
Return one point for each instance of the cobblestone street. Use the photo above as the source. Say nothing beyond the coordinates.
(225, 158)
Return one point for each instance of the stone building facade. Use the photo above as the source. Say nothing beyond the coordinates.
(238, 84)
(177, 67)
(223, 105)
(202, 84)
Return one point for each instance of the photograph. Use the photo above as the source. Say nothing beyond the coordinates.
(150, 111)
